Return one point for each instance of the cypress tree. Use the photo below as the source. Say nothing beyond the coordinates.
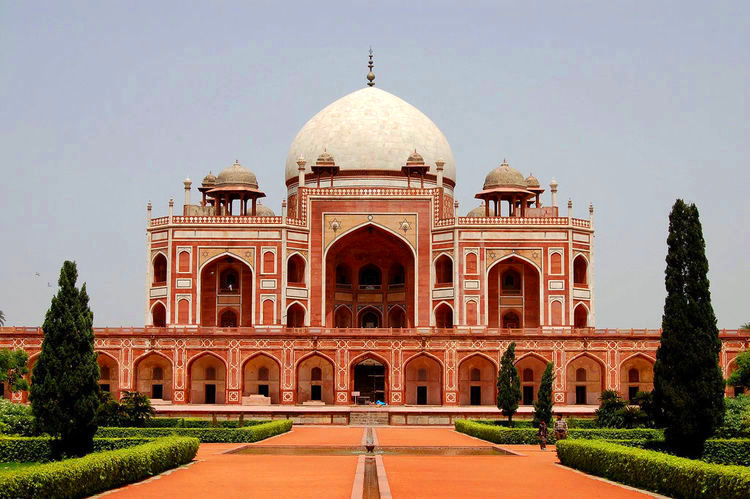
(64, 383)
(508, 384)
(688, 383)
(543, 404)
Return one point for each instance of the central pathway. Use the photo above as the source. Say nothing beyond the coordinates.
(532, 474)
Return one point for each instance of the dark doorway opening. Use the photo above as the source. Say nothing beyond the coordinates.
(421, 395)
(476, 395)
(581, 395)
(157, 391)
(632, 391)
(2, 390)
(104, 387)
(263, 390)
(370, 320)
(739, 390)
(210, 394)
(316, 392)
(528, 395)
(369, 380)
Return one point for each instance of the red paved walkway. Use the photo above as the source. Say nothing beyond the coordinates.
(215, 474)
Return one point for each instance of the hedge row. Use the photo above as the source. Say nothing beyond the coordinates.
(199, 423)
(527, 423)
(501, 435)
(99, 471)
(656, 471)
(205, 435)
(727, 451)
(42, 449)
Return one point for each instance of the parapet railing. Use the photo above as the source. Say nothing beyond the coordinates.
(479, 331)
(513, 221)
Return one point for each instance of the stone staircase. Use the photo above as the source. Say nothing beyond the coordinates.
(374, 418)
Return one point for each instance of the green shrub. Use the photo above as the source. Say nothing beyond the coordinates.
(198, 423)
(99, 471)
(527, 423)
(508, 436)
(205, 435)
(43, 449)
(16, 419)
(727, 451)
(581, 423)
(736, 418)
(670, 475)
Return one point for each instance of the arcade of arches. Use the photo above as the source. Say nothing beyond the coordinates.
(369, 280)
(315, 380)
(262, 376)
(226, 293)
(513, 296)
(207, 376)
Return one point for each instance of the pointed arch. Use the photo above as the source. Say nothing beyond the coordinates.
(369, 309)
(534, 364)
(423, 383)
(205, 389)
(443, 315)
(254, 384)
(296, 266)
(144, 380)
(243, 320)
(298, 315)
(443, 265)
(158, 314)
(477, 380)
(642, 381)
(371, 381)
(309, 389)
(589, 391)
(581, 314)
(539, 276)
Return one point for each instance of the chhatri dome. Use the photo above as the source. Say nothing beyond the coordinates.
(370, 130)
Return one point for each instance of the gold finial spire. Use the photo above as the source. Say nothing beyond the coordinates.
(370, 75)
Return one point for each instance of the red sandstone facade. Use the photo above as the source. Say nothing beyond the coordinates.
(369, 282)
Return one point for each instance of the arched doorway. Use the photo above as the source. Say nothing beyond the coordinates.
(369, 318)
(296, 270)
(153, 377)
(159, 315)
(636, 375)
(477, 381)
(424, 381)
(369, 379)
(444, 316)
(397, 317)
(207, 380)
(513, 286)
(373, 267)
(315, 380)
(585, 381)
(530, 369)
(295, 315)
(226, 283)
(580, 316)
(108, 375)
(261, 376)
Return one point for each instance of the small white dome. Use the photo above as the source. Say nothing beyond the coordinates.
(371, 129)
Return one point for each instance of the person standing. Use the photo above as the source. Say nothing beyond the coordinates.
(561, 428)
(542, 434)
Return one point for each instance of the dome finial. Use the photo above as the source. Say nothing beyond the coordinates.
(370, 75)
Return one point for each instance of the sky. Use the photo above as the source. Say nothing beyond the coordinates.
(628, 105)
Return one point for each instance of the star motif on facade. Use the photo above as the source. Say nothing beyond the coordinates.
(335, 225)
(405, 226)
(491, 255)
(204, 253)
(247, 254)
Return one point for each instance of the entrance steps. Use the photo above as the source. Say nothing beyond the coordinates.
(373, 418)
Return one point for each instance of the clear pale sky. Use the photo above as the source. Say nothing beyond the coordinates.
(629, 105)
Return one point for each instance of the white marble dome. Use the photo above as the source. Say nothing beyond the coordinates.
(370, 129)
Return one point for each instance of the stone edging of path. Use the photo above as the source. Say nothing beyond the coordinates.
(383, 486)
(358, 487)
(621, 485)
(147, 480)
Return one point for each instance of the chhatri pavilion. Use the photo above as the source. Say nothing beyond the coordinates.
(369, 284)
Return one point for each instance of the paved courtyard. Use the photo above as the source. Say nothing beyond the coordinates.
(319, 462)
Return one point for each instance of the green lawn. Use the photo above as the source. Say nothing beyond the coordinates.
(12, 467)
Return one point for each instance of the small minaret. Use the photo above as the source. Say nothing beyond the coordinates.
(439, 167)
(171, 209)
(591, 213)
(301, 172)
(553, 190)
(370, 75)
(148, 213)
(570, 208)
(283, 208)
(187, 183)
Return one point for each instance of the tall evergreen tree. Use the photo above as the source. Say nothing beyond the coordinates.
(688, 383)
(508, 384)
(543, 404)
(64, 383)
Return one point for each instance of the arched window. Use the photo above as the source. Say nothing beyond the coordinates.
(316, 374)
(183, 262)
(581, 374)
(183, 312)
(580, 317)
(444, 271)
(343, 276)
(269, 262)
(229, 281)
(555, 263)
(159, 315)
(370, 277)
(295, 270)
(228, 319)
(511, 282)
(557, 313)
(157, 373)
(444, 316)
(396, 276)
(471, 263)
(342, 318)
(511, 320)
(422, 374)
(579, 271)
(397, 318)
(476, 374)
(471, 313)
(160, 270)
(295, 316)
(528, 375)
(268, 309)
(370, 319)
(634, 376)
(263, 373)
(210, 373)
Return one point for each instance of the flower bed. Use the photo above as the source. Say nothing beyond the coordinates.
(205, 435)
(98, 471)
(656, 471)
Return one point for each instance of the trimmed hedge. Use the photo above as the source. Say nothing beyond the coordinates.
(205, 435)
(42, 449)
(99, 471)
(508, 436)
(656, 471)
(528, 423)
(199, 423)
(734, 451)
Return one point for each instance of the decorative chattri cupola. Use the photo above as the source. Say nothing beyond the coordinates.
(415, 167)
(532, 184)
(505, 183)
(325, 165)
(232, 184)
(208, 183)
